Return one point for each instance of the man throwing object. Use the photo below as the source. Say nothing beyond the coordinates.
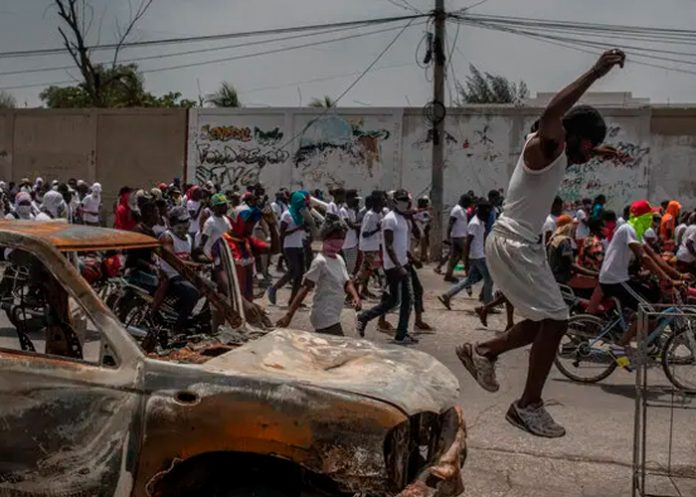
(515, 252)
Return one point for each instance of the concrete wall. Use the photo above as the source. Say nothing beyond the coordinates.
(137, 147)
(360, 148)
(389, 148)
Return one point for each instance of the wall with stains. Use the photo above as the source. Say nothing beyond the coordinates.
(297, 148)
(391, 148)
(359, 148)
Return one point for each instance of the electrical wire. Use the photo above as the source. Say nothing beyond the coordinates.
(571, 43)
(405, 5)
(188, 52)
(192, 39)
(355, 82)
(226, 59)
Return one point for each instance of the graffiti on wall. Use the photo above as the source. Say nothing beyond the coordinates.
(334, 139)
(621, 177)
(233, 154)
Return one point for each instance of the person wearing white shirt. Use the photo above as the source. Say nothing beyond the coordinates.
(328, 277)
(457, 232)
(550, 222)
(292, 236)
(396, 234)
(474, 258)
(348, 213)
(91, 206)
(370, 241)
(216, 225)
(627, 245)
(582, 216)
(339, 198)
(686, 253)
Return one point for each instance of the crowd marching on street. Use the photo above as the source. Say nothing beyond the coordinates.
(521, 246)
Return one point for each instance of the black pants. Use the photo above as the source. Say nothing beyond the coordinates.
(417, 288)
(186, 299)
(398, 292)
(295, 259)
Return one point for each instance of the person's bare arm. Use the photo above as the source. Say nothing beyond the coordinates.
(548, 144)
(642, 253)
(467, 250)
(350, 290)
(666, 268)
(307, 287)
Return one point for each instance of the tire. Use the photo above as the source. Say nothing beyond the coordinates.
(679, 361)
(575, 359)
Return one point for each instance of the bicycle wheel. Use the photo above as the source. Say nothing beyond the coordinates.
(679, 359)
(578, 358)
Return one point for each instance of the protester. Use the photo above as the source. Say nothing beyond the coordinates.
(124, 219)
(550, 224)
(474, 258)
(370, 241)
(457, 232)
(292, 235)
(517, 261)
(396, 235)
(52, 207)
(349, 213)
(91, 206)
(22, 208)
(216, 225)
(329, 276)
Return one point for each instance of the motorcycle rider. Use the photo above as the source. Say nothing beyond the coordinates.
(177, 241)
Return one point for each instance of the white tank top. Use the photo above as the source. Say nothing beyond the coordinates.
(182, 249)
(529, 198)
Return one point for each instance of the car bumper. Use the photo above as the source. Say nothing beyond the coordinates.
(443, 478)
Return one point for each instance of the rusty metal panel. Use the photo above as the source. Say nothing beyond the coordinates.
(78, 238)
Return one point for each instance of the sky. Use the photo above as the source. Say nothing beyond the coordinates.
(293, 78)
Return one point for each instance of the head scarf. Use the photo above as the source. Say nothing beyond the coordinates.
(641, 217)
(53, 203)
(332, 224)
(245, 216)
(563, 232)
(298, 200)
(218, 199)
(669, 220)
(96, 188)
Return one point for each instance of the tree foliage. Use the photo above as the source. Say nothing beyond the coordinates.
(125, 88)
(7, 101)
(326, 102)
(225, 96)
(487, 88)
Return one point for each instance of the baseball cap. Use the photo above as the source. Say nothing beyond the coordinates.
(179, 215)
(218, 199)
(640, 208)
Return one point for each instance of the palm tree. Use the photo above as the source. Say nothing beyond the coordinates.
(322, 103)
(226, 96)
(7, 101)
(486, 88)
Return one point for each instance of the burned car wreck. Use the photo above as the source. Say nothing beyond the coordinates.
(85, 411)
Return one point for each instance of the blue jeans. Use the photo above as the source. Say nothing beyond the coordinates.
(398, 292)
(477, 271)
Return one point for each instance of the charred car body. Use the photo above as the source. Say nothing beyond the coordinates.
(288, 413)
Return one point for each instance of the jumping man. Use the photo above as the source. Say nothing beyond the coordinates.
(516, 256)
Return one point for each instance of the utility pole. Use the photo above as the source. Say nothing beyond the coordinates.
(437, 117)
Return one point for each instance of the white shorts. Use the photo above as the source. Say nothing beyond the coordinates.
(521, 271)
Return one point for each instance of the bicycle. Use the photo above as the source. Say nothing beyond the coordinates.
(585, 355)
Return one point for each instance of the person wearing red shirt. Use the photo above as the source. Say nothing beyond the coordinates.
(124, 219)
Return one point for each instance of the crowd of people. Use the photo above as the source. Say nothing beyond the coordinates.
(523, 247)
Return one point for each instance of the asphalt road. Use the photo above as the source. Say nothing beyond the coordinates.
(593, 459)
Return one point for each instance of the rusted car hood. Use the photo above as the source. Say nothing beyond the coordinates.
(411, 380)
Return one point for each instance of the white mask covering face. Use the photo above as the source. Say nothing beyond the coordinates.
(24, 211)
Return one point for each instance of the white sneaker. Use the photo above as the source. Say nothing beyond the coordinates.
(534, 419)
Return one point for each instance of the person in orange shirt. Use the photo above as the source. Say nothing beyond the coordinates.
(668, 225)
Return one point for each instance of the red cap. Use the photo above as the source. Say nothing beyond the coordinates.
(640, 208)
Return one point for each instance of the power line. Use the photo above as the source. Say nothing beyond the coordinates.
(192, 39)
(571, 43)
(357, 80)
(226, 59)
(188, 52)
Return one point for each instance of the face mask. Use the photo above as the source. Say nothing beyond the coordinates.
(24, 211)
(332, 247)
